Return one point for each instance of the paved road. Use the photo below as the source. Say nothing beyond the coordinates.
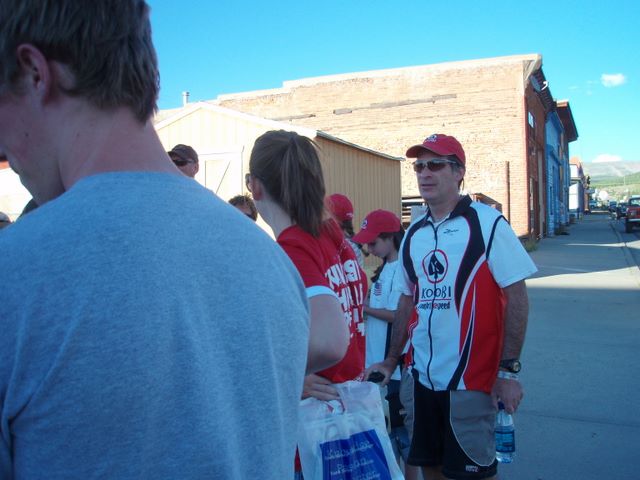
(632, 240)
(580, 419)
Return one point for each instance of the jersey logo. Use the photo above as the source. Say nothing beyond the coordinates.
(435, 264)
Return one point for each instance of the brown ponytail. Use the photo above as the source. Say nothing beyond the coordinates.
(288, 166)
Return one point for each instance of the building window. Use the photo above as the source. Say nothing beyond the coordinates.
(532, 120)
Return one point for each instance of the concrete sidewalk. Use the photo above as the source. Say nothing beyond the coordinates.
(580, 419)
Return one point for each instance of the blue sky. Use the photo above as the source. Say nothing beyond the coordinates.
(590, 49)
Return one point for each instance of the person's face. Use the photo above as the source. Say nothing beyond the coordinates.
(24, 144)
(186, 165)
(246, 210)
(380, 247)
(438, 180)
(256, 189)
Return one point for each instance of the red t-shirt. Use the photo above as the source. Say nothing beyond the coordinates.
(328, 264)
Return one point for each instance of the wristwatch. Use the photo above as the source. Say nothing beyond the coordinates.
(512, 365)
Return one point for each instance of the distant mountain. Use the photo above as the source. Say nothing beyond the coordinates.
(627, 180)
(610, 170)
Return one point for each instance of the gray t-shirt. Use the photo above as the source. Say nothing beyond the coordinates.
(147, 330)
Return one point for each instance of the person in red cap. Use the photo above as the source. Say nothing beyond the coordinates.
(462, 269)
(341, 209)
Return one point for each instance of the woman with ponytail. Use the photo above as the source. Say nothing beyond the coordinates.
(287, 184)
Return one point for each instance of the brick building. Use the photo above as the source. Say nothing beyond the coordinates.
(496, 107)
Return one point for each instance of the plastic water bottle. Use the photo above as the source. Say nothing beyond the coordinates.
(505, 436)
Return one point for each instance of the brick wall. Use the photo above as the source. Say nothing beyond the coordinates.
(536, 151)
(482, 103)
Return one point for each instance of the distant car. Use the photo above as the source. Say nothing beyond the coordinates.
(612, 206)
(633, 214)
(621, 210)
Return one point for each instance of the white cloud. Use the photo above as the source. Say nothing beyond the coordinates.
(606, 158)
(613, 79)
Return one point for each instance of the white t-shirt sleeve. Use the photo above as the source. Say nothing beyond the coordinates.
(316, 290)
(509, 262)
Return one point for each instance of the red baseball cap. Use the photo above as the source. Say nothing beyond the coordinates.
(340, 207)
(439, 144)
(377, 222)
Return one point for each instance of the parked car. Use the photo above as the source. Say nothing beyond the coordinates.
(612, 206)
(621, 210)
(633, 214)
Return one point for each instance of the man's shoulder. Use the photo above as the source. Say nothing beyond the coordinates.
(32, 249)
(485, 212)
(32, 230)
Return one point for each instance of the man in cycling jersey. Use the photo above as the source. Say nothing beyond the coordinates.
(463, 271)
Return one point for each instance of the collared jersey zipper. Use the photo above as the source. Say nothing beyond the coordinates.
(433, 302)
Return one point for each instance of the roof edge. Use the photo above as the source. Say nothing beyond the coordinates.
(273, 124)
(287, 85)
(566, 118)
(328, 136)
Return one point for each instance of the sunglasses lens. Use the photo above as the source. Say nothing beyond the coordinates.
(435, 166)
(432, 165)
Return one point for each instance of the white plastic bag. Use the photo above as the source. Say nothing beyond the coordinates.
(346, 439)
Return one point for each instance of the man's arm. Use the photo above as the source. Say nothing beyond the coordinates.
(399, 336)
(381, 313)
(509, 391)
(515, 321)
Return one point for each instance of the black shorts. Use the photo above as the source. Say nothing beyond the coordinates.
(455, 430)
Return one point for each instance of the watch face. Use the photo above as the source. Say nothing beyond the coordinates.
(513, 366)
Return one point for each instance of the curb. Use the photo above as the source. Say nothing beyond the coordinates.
(634, 269)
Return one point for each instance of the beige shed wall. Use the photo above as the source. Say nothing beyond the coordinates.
(372, 181)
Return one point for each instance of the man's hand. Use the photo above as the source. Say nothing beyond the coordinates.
(386, 368)
(319, 387)
(509, 392)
